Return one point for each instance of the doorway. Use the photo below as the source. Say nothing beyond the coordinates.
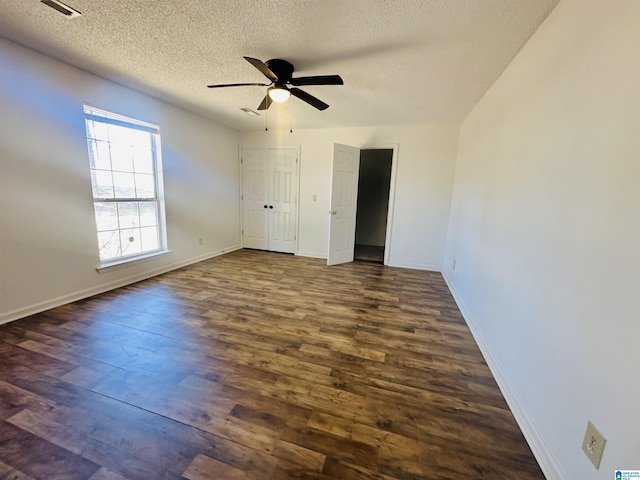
(374, 186)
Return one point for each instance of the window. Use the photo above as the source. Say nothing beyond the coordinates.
(126, 176)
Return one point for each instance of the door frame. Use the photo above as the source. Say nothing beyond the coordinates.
(392, 191)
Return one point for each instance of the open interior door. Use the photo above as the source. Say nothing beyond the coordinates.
(344, 200)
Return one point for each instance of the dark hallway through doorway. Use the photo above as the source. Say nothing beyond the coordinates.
(373, 204)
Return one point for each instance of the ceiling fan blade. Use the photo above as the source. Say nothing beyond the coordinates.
(238, 85)
(310, 99)
(266, 102)
(260, 65)
(317, 80)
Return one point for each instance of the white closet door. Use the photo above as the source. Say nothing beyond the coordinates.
(255, 198)
(269, 199)
(283, 187)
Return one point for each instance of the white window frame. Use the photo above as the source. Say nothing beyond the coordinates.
(93, 114)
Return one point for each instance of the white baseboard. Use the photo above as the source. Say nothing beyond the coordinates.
(105, 287)
(312, 255)
(416, 266)
(413, 266)
(537, 444)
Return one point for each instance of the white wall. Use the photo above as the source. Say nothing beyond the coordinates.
(425, 167)
(48, 246)
(545, 232)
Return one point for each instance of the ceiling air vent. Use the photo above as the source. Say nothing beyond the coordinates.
(62, 8)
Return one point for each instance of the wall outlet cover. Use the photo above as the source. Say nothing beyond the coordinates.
(593, 444)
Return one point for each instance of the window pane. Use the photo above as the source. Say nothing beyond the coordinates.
(119, 134)
(130, 241)
(150, 239)
(140, 137)
(103, 160)
(145, 186)
(148, 214)
(109, 243)
(102, 184)
(98, 130)
(106, 216)
(121, 157)
(99, 155)
(128, 214)
(124, 185)
(143, 154)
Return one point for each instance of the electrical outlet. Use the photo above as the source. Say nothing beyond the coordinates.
(454, 264)
(200, 240)
(593, 444)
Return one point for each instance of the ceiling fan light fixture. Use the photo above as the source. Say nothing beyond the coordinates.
(279, 94)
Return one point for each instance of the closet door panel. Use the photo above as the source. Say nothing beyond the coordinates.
(255, 199)
(269, 199)
(283, 185)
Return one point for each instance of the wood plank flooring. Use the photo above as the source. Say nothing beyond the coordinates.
(256, 365)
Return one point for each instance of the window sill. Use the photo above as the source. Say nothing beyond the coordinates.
(127, 262)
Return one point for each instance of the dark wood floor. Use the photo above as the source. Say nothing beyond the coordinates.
(256, 366)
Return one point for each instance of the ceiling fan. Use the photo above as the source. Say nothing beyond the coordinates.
(280, 73)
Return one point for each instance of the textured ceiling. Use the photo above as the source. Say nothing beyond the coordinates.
(402, 61)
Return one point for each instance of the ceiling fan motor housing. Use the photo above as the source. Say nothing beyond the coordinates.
(282, 69)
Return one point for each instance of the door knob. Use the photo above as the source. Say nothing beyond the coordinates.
(333, 212)
(270, 206)
(264, 206)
